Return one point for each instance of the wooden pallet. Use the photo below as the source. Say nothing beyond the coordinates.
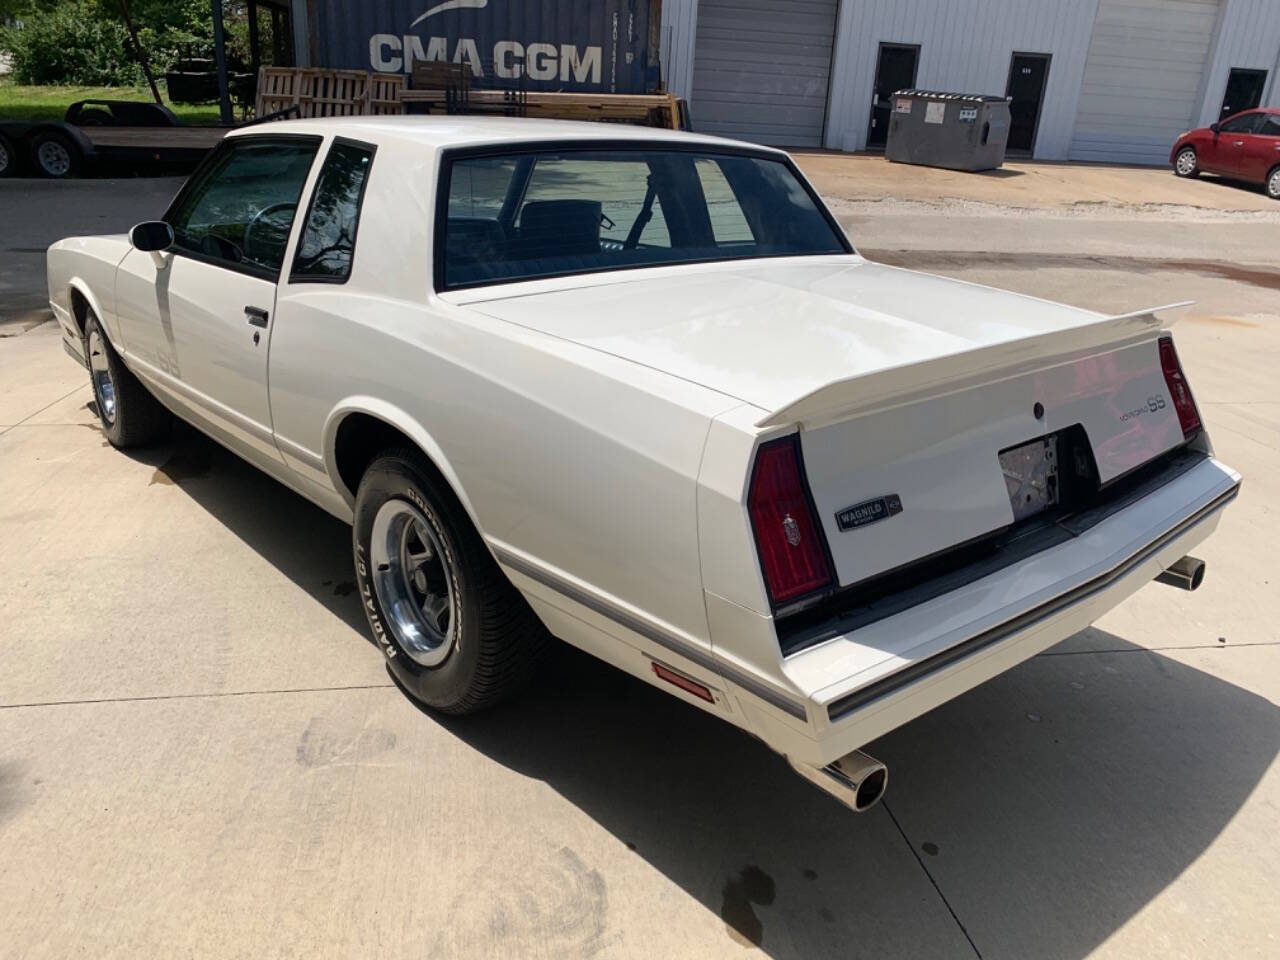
(655, 110)
(154, 138)
(327, 93)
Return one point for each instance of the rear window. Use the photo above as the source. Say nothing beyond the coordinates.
(523, 215)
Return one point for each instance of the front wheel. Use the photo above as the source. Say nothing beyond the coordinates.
(129, 414)
(1186, 164)
(1273, 183)
(457, 635)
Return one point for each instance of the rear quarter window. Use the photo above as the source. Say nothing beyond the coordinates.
(328, 243)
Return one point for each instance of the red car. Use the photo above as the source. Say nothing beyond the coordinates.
(1245, 146)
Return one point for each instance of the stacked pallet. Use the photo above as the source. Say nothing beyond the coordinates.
(654, 110)
(316, 92)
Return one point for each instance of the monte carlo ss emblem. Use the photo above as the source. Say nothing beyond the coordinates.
(868, 511)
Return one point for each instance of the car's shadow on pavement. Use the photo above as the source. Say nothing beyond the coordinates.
(306, 544)
(1048, 806)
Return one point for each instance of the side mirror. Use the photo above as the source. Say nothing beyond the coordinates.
(151, 236)
(1215, 128)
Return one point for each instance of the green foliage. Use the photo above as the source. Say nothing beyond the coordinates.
(86, 42)
(70, 43)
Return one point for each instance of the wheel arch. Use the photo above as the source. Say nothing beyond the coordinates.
(361, 427)
(82, 302)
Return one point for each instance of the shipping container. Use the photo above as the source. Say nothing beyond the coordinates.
(575, 45)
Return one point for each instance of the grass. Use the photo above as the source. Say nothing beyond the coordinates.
(20, 102)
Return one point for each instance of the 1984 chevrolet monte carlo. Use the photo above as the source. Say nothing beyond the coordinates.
(636, 390)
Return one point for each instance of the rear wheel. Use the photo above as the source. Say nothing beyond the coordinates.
(54, 155)
(129, 414)
(457, 635)
(8, 159)
(1273, 183)
(1186, 163)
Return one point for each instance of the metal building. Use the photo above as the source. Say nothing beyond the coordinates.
(1103, 80)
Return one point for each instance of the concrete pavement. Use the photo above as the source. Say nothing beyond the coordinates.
(201, 754)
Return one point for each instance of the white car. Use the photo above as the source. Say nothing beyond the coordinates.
(637, 390)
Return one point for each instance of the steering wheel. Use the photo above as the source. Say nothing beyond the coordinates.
(247, 243)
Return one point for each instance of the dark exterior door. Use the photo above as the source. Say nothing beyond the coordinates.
(1244, 91)
(1025, 90)
(895, 70)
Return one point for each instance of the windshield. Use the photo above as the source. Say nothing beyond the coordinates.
(521, 215)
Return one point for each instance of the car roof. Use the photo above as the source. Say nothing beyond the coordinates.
(458, 131)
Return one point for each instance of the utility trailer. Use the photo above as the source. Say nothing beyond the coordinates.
(97, 130)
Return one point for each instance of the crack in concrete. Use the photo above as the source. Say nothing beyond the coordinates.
(196, 696)
(1190, 646)
(942, 896)
(42, 409)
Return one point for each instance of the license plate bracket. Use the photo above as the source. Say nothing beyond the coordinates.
(1031, 476)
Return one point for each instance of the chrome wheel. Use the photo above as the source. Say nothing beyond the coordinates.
(413, 581)
(54, 158)
(1186, 162)
(4, 158)
(1273, 184)
(104, 388)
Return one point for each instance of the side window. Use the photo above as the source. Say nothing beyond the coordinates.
(728, 225)
(1241, 124)
(328, 240)
(1271, 127)
(239, 213)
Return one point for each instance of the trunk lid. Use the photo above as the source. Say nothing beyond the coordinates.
(771, 332)
(907, 387)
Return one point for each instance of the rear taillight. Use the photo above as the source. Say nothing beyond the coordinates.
(1179, 389)
(792, 553)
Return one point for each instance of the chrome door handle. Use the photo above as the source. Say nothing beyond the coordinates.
(1238, 143)
(256, 316)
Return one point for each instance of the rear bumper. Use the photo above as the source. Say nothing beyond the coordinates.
(903, 666)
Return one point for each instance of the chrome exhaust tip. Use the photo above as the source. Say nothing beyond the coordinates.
(856, 780)
(1187, 573)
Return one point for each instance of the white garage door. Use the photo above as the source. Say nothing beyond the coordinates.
(1142, 78)
(760, 69)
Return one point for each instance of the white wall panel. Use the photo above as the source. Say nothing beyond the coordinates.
(1143, 79)
(676, 45)
(965, 46)
(1248, 37)
(762, 69)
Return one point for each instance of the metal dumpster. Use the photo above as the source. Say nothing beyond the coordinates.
(959, 131)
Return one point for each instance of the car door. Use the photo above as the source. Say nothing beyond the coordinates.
(1225, 152)
(1262, 148)
(195, 318)
(310, 329)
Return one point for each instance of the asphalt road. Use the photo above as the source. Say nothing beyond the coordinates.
(201, 754)
(35, 213)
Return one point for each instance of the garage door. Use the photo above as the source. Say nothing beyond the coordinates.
(760, 69)
(1142, 78)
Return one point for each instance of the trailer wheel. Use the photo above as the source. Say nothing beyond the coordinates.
(94, 118)
(54, 154)
(8, 157)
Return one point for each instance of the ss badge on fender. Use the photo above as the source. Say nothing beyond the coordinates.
(868, 511)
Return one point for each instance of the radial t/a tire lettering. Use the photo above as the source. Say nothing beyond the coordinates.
(458, 637)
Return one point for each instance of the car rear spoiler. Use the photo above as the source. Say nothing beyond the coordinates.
(911, 382)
